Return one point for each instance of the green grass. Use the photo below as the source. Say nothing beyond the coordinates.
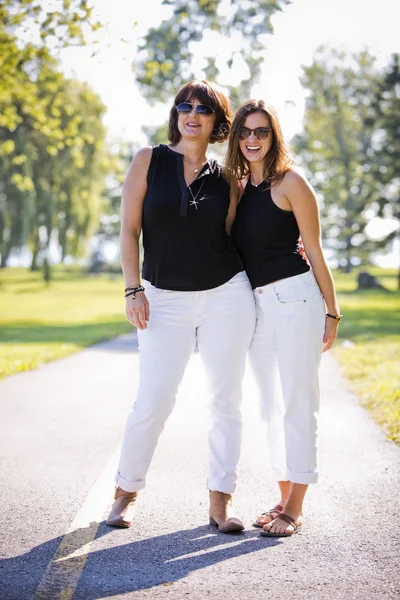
(40, 322)
(372, 366)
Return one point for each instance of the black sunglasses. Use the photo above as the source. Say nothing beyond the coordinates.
(201, 109)
(261, 133)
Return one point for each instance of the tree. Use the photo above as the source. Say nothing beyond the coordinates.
(166, 54)
(339, 147)
(51, 134)
(386, 166)
(59, 24)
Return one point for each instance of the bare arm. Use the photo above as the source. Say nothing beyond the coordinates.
(302, 199)
(133, 193)
(234, 199)
(236, 194)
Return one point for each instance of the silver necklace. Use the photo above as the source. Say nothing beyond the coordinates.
(195, 170)
(194, 201)
(256, 184)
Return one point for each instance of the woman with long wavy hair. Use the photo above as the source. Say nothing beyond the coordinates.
(297, 310)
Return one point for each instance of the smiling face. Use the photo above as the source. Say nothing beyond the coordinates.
(194, 125)
(266, 159)
(215, 127)
(253, 149)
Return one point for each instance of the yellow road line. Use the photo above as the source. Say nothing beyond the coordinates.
(62, 574)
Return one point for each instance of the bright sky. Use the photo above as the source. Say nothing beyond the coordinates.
(299, 30)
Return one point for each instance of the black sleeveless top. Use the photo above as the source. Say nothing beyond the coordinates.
(267, 238)
(186, 247)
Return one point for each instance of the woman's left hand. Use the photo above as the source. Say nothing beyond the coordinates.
(330, 335)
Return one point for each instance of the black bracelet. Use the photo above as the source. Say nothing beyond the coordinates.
(132, 291)
(337, 318)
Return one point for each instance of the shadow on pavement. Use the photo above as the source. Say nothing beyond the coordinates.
(156, 561)
(161, 560)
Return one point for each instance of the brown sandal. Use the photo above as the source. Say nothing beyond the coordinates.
(273, 513)
(288, 520)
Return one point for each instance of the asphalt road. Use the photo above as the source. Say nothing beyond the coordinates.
(60, 430)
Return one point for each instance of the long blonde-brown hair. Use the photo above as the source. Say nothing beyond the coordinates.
(279, 158)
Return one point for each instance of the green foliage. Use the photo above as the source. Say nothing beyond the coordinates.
(387, 151)
(165, 62)
(60, 24)
(117, 167)
(157, 135)
(347, 125)
(51, 133)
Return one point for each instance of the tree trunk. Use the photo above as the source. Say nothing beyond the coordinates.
(5, 254)
(349, 266)
(47, 273)
(35, 251)
(3, 262)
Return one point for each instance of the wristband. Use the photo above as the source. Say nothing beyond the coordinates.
(132, 291)
(337, 318)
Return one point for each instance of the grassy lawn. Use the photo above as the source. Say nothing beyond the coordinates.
(372, 322)
(40, 322)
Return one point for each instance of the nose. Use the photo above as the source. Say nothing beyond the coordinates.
(252, 137)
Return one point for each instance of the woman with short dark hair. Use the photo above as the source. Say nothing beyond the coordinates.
(194, 290)
(297, 311)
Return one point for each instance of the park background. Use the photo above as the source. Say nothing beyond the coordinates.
(84, 84)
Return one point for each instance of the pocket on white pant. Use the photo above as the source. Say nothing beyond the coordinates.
(291, 296)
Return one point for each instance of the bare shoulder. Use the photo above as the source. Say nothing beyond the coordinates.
(294, 181)
(143, 156)
(136, 177)
(140, 164)
(297, 189)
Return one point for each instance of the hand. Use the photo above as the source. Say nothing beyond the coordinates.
(138, 310)
(330, 334)
(301, 251)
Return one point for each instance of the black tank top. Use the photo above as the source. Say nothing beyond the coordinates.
(186, 247)
(267, 238)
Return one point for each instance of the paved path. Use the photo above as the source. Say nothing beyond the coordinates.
(59, 434)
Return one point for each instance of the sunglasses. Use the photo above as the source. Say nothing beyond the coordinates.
(201, 109)
(261, 133)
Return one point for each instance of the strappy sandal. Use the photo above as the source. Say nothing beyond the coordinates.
(288, 520)
(273, 513)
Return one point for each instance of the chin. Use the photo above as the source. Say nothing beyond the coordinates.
(253, 159)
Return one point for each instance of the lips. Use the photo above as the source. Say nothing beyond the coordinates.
(253, 149)
(193, 124)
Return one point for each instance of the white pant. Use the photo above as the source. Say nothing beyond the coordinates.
(285, 355)
(222, 321)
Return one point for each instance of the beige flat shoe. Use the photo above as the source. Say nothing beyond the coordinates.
(220, 505)
(121, 514)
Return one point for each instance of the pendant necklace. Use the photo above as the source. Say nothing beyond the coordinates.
(194, 201)
(256, 184)
(195, 170)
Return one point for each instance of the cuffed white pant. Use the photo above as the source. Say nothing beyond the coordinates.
(285, 355)
(222, 320)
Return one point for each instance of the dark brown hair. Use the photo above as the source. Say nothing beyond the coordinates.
(205, 92)
(278, 159)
